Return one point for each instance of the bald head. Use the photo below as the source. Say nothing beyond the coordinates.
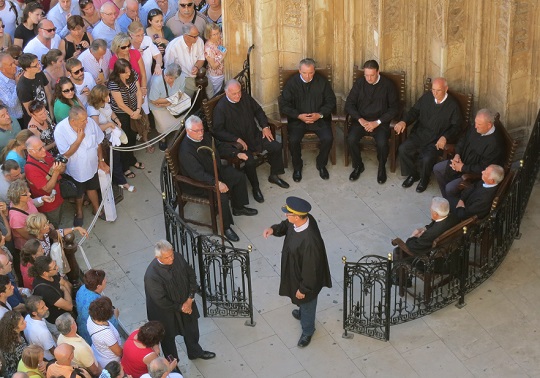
(107, 7)
(32, 141)
(20, 375)
(64, 354)
(132, 9)
(439, 87)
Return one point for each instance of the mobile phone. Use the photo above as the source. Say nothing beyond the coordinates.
(222, 48)
(170, 358)
(53, 193)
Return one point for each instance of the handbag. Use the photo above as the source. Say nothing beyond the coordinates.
(141, 126)
(180, 102)
(68, 188)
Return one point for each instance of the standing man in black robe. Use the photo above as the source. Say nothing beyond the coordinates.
(371, 104)
(304, 264)
(308, 101)
(170, 287)
(438, 121)
(234, 121)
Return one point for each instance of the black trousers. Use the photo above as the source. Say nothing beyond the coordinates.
(296, 133)
(191, 338)
(127, 157)
(408, 152)
(275, 159)
(381, 135)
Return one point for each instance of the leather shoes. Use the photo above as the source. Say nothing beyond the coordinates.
(323, 172)
(304, 341)
(297, 175)
(422, 186)
(381, 175)
(274, 179)
(409, 181)
(231, 235)
(296, 314)
(356, 172)
(244, 211)
(205, 356)
(258, 196)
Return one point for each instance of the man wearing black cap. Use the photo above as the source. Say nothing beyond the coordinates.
(304, 265)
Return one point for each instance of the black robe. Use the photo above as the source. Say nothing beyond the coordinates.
(304, 264)
(422, 245)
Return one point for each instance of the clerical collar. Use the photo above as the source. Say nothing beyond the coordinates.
(491, 131)
(438, 220)
(443, 100)
(488, 185)
(302, 227)
(378, 79)
(231, 101)
(190, 138)
(307, 82)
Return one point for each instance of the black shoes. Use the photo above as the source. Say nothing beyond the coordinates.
(244, 211)
(162, 145)
(422, 186)
(205, 356)
(323, 172)
(356, 172)
(304, 341)
(296, 314)
(409, 181)
(231, 235)
(257, 195)
(274, 179)
(381, 174)
(297, 175)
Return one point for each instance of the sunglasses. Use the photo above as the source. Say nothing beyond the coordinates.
(154, 13)
(188, 5)
(124, 47)
(82, 3)
(72, 89)
(78, 71)
(49, 30)
(2, 26)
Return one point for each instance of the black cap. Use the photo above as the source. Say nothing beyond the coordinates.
(297, 206)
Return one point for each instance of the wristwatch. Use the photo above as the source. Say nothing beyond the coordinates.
(322, 116)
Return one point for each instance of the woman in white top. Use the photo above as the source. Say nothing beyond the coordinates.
(106, 341)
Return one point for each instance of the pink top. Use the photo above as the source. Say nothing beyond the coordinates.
(28, 282)
(211, 50)
(134, 57)
(132, 357)
(17, 219)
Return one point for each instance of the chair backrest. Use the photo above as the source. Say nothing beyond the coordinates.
(502, 190)
(465, 102)
(453, 233)
(171, 154)
(208, 108)
(510, 145)
(398, 78)
(285, 75)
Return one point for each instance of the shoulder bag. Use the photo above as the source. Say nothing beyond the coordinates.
(68, 188)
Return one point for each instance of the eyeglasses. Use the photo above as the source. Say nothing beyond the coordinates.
(2, 26)
(36, 65)
(72, 89)
(38, 150)
(49, 30)
(198, 130)
(124, 47)
(26, 194)
(188, 5)
(53, 268)
(193, 36)
(107, 14)
(78, 71)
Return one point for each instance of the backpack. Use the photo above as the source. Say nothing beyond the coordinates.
(13, 8)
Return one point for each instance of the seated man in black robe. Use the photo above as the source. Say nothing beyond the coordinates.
(479, 147)
(308, 101)
(199, 166)
(439, 121)
(237, 117)
(477, 199)
(372, 104)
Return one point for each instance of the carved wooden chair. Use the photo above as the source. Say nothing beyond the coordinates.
(310, 141)
(399, 81)
(182, 198)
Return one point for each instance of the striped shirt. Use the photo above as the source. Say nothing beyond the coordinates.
(129, 94)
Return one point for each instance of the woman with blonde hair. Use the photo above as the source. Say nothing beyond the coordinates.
(214, 52)
(15, 148)
(5, 38)
(32, 362)
(39, 227)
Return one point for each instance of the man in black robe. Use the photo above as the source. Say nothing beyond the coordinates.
(304, 264)
(479, 147)
(237, 117)
(438, 121)
(170, 287)
(308, 101)
(372, 103)
(199, 166)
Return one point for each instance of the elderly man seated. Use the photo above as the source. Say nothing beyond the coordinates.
(477, 199)
(237, 118)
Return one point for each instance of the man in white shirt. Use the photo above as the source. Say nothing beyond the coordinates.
(79, 138)
(107, 28)
(169, 9)
(188, 52)
(61, 12)
(11, 15)
(161, 368)
(95, 60)
(36, 331)
(83, 81)
(44, 41)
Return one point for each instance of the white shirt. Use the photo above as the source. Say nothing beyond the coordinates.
(88, 82)
(103, 337)
(103, 31)
(36, 332)
(83, 164)
(39, 49)
(8, 17)
(3, 310)
(58, 17)
(177, 52)
(150, 50)
(92, 66)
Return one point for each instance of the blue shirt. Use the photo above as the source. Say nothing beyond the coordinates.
(104, 32)
(8, 95)
(123, 22)
(15, 299)
(58, 17)
(15, 156)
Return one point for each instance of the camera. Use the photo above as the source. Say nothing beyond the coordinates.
(61, 159)
(79, 46)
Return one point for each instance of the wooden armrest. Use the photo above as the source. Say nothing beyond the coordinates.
(283, 119)
(338, 117)
(195, 183)
(274, 125)
(398, 242)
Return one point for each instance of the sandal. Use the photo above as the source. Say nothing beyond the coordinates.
(150, 149)
(129, 174)
(139, 165)
(129, 188)
(78, 222)
(101, 215)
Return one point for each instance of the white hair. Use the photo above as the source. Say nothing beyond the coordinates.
(162, 246)
(497, 173)
(192, 120)
(440, 206)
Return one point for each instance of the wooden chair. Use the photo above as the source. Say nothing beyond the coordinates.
(444, 248)
(399, 81)
(182, 198)
(310, 141)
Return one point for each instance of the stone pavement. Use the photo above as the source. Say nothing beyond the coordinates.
(494, 335)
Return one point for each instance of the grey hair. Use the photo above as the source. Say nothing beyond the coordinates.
(105, 6)
(158, 367)
(16, 189)
(119, 40)
(440, 206)
(30, 141)
(191, 121)
(32, 303)
(231, 82)
(162, 246)
(307, 62)
(497, 173)
(186, 28)
(76, 111)
(445, 83)
(173, 70)
(64, 323)
(487, 114)
(3, 54)
(98, 44)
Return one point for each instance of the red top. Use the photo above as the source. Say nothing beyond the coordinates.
(132, 357)
(134, 57)
(37, 179)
